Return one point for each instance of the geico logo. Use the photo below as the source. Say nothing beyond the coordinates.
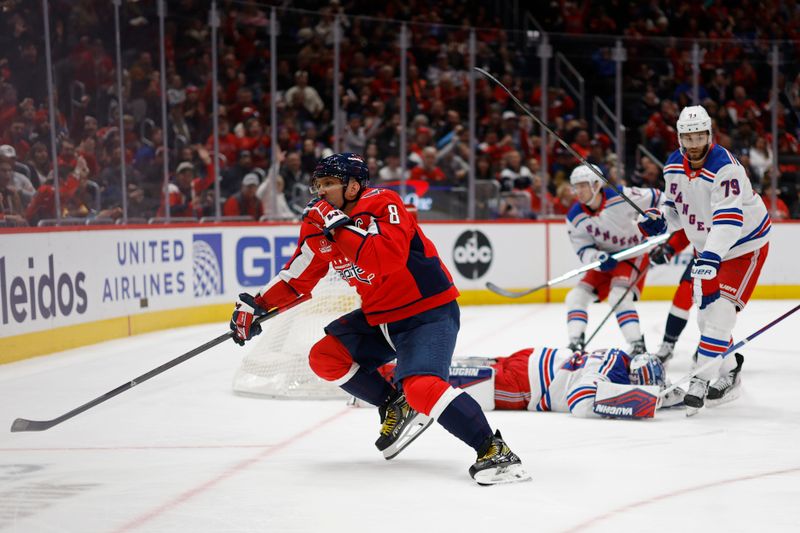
(470, 252)
(44, 296)
(258, 259)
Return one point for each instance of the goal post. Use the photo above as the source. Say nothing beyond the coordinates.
(276, 366)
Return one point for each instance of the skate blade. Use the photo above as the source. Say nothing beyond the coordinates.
(691, 411)
(504, 474)
(419, 424)
(731, 396)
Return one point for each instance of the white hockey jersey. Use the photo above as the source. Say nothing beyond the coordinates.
(715, 205)
(565, 381)
(613, 226)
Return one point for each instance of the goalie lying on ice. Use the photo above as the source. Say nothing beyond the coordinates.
(561, 380)
(558, 379)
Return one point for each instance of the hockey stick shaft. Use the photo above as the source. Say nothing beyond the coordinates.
(633, 251)
(616, 305)
(22, 424)
(730, 350)
(561, 141)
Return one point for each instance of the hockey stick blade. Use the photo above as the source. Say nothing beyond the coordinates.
(512, 294)
(23, 424)
(627, 253)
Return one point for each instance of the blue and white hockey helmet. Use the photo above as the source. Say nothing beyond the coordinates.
(647, 369)
(344, 166)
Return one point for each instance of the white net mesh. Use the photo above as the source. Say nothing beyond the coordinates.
(277, 365)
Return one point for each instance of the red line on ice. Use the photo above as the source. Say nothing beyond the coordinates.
(191, 493)
(591, 522)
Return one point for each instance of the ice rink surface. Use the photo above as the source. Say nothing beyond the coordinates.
(182, 453)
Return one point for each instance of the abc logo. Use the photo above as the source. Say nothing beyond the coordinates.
(472, 254)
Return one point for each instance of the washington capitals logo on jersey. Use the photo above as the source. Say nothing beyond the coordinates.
(348, 271)
(325, 247)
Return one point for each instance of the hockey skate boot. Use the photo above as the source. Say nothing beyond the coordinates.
(726, 386)
(497, 463)
(400, 425)
(666, 351)
(696, 395)
(577, 344)
(637, 347)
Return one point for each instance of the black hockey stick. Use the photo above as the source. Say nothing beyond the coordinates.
(23, 424)
(633, 251)
(614, 308)
(569, 148)
(729, 351)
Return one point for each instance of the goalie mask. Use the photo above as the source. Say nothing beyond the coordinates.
(583, 174)
(694, 119)
(647, 369)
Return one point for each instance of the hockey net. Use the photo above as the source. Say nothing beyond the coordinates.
(277, 364)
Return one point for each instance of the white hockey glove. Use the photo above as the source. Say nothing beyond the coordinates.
(706, 283)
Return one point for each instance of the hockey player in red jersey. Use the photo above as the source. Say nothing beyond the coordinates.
(409, 312)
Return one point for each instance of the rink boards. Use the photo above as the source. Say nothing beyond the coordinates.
(87, 284)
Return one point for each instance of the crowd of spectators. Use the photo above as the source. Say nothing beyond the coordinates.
(734, 88)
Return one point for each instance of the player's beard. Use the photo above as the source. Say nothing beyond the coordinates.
(699, 159)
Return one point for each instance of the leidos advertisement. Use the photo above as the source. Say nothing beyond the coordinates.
(32, 294)
(53, 279)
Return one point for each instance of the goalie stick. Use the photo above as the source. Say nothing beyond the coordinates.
(23, 424)
(561, 141)
(633, 251)
(729, 351)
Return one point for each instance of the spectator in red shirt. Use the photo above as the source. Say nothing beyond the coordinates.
(777, 211)
(428, 170)
(495, 148)
(256, 141)
(564, 199)
(228, 143)
(245, 202)
(385, 86)
(582, 143)
(740, 106)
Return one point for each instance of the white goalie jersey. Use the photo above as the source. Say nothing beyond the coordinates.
(565, 381)
(716, 205)
(613, 226)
